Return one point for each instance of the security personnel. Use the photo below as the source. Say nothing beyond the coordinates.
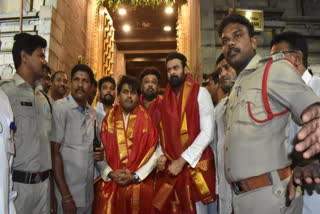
(7, 196)
(31, 108)
(256, 160)
(72, 145)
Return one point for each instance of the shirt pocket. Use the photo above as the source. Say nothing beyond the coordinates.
(25, 119)
(252, 107)
(73, 132)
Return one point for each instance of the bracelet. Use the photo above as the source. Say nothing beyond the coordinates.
(67, 201)
(65, 197)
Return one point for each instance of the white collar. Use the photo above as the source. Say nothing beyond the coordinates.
(306, 76)
(126, 119)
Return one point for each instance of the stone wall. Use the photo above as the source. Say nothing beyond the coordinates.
(68, 33)
(63, 23)
(9, 26)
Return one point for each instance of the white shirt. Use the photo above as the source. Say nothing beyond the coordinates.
(223, 188)
(7, 195)
(100, 113)
(311, 199)
(99, 165)
(207, 129)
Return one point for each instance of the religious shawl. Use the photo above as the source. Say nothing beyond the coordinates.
(154, 110)
(129, 149)
(180, 125)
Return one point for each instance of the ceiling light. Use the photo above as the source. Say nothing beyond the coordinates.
(167, 28)
(169, 10)
(126, 28)
(122, 11)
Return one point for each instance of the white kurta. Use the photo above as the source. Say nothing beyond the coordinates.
(207, 129)
(311, 197)
(207, 132)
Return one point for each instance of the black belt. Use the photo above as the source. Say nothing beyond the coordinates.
(30, 177)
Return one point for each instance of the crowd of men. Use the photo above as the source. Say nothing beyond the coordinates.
(247, 143)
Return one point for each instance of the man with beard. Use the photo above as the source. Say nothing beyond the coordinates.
(32, 116)
(149, 99)
(227, 76)
(59, 86)
(256, 156)
(130, 140)
(107, 87)
(72, 145)
(45, 80)
(187, 181)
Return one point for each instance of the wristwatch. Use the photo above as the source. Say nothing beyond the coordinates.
(136, 177)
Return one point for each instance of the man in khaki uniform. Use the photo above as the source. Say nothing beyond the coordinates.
(32, 115)
(256, 160)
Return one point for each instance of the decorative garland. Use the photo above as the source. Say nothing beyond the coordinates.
(135, 3)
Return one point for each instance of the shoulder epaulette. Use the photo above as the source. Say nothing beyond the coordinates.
(5, 81)
(274, 57)
(277, 57)
(271, 115)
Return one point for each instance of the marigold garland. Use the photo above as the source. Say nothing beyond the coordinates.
(135, 3)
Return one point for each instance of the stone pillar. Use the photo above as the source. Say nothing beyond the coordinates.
(188, 36)
(208, 51)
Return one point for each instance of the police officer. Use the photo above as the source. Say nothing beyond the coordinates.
(6, 156)
(256, 160)
(32, 164)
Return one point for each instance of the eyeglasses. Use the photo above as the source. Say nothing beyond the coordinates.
(287, 51)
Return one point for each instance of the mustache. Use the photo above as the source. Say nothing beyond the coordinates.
(225, 78)
(129, 100)
(108, 95)
(80, 89)
(233, 49)
(174, 77)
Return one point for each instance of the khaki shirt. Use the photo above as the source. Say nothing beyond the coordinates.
(74, 130)
(32, 117)
(253, 148)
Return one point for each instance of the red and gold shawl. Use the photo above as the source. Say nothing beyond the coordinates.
(127, 148)
(154, 109)
(180, 125)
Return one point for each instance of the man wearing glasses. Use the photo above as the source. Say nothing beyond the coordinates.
(294, 46)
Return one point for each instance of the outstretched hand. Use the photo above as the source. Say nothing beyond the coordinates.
(309, 135)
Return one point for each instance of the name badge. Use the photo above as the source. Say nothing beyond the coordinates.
(23, 103)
